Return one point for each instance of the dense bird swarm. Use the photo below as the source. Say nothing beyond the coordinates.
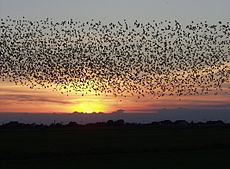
(120, 58)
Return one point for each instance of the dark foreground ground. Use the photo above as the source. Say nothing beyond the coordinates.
(116, 148)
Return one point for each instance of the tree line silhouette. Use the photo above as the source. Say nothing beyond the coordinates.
(112, 123)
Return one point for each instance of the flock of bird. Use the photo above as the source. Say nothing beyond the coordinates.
(121, 58)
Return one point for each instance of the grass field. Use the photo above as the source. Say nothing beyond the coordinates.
(116, 148)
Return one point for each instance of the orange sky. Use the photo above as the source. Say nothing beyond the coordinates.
(16, 98)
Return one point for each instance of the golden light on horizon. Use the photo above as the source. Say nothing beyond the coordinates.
(89, 104)
(89, 107)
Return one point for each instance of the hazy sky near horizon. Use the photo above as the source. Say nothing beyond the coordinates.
(21, 99)
(183, 10)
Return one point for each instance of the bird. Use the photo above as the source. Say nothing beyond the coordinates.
(161, 59)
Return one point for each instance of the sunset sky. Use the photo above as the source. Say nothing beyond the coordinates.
(17, 98)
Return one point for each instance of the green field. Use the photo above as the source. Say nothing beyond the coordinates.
(116, 148)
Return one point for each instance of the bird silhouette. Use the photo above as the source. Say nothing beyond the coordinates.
(154, 58)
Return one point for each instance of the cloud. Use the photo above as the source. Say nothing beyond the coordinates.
(18, 90)
(207, 105)
(193, 114)
(223, 106)
(30, 98)
(119, 111)
(193, 106)
(163, 114)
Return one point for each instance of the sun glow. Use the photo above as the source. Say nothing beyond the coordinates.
(89, 105)
(89, 100)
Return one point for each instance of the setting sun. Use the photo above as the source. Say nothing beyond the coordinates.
(89, 106)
